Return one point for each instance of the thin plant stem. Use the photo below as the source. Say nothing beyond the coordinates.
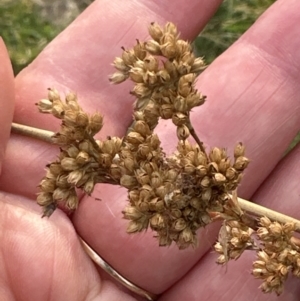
(249, 207)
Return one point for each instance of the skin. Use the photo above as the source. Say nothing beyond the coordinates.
(253, 96)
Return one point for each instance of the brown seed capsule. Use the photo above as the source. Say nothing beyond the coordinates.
(186, 238)
(156, 179)
(55, 168)
(206, 194)
(69, 164)
(155, 31)
(239, 150)
(89, 186)
(198, 65)
(231, 173)
(135, 138)
(139, 50)
(134, 196)
(129, 57)
(157, 221)
(82, 158)
(86, 146)
(171, 29)
(179, 224)
(71, 97)
(161, 191)
(241, 163)
(140, 91)
(143, 206)
(142, 177)
(44, 198)
(62, 181)
(58, 111)
(82, 119)
(183, 132)
(213, 167)
(96, 123)
(136, 75)
(75, 176)
(205, 182)
(169, 50)
(45, 106)
(163, 76)
(189, 168)
(153, 47)
(195, 99)
(152, 204)
(120, 65)
(53, 95)
(166, 111)
(60, 194)
(150, 78)
(171, 175)
(215, 155)
(195, 202)
(118, 77)
(154, 141)
(108, 147)
(142, 128)
(73, 151)
(159, 206)
(185, 48)
(135, 226)
(180, 104)
(224, 165)
(72, 201)
(143, 150)
(132, 213)
(179, 118)
(47, 185)
(128, 181)
(105, 160)
(151, 63)
(218, 178)
(185, 84)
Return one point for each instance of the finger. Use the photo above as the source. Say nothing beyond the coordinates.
(6, 98)
(279, 192)
(237, 108)
(254, 89)
(42, 259)
(79, 59)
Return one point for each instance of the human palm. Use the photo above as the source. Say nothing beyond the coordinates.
(253, 96)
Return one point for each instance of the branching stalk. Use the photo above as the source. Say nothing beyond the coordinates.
(249, 207)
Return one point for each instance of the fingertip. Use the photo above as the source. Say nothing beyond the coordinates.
(6, 98)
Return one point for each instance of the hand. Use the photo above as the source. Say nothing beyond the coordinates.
(252, 96)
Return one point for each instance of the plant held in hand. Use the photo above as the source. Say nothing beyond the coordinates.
(173, 195)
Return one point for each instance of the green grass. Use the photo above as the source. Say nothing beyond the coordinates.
(232, 19)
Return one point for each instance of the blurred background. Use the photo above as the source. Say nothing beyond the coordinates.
(27, 26)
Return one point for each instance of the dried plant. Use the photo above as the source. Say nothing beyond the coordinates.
(173, 195)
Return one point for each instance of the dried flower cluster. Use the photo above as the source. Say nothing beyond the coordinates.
(278, 252)
(173, 195)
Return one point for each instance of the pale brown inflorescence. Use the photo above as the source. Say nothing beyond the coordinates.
(174, 195)
(279, 255)
(82, 162)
